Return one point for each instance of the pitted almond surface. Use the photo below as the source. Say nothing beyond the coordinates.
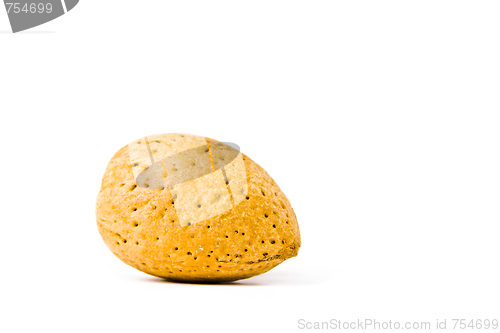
(229, 224)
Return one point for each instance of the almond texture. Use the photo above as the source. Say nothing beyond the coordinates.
(147, 229)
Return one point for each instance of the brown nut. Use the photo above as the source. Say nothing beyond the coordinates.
(189, 208)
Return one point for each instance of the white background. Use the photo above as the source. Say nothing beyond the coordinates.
(378, 119)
